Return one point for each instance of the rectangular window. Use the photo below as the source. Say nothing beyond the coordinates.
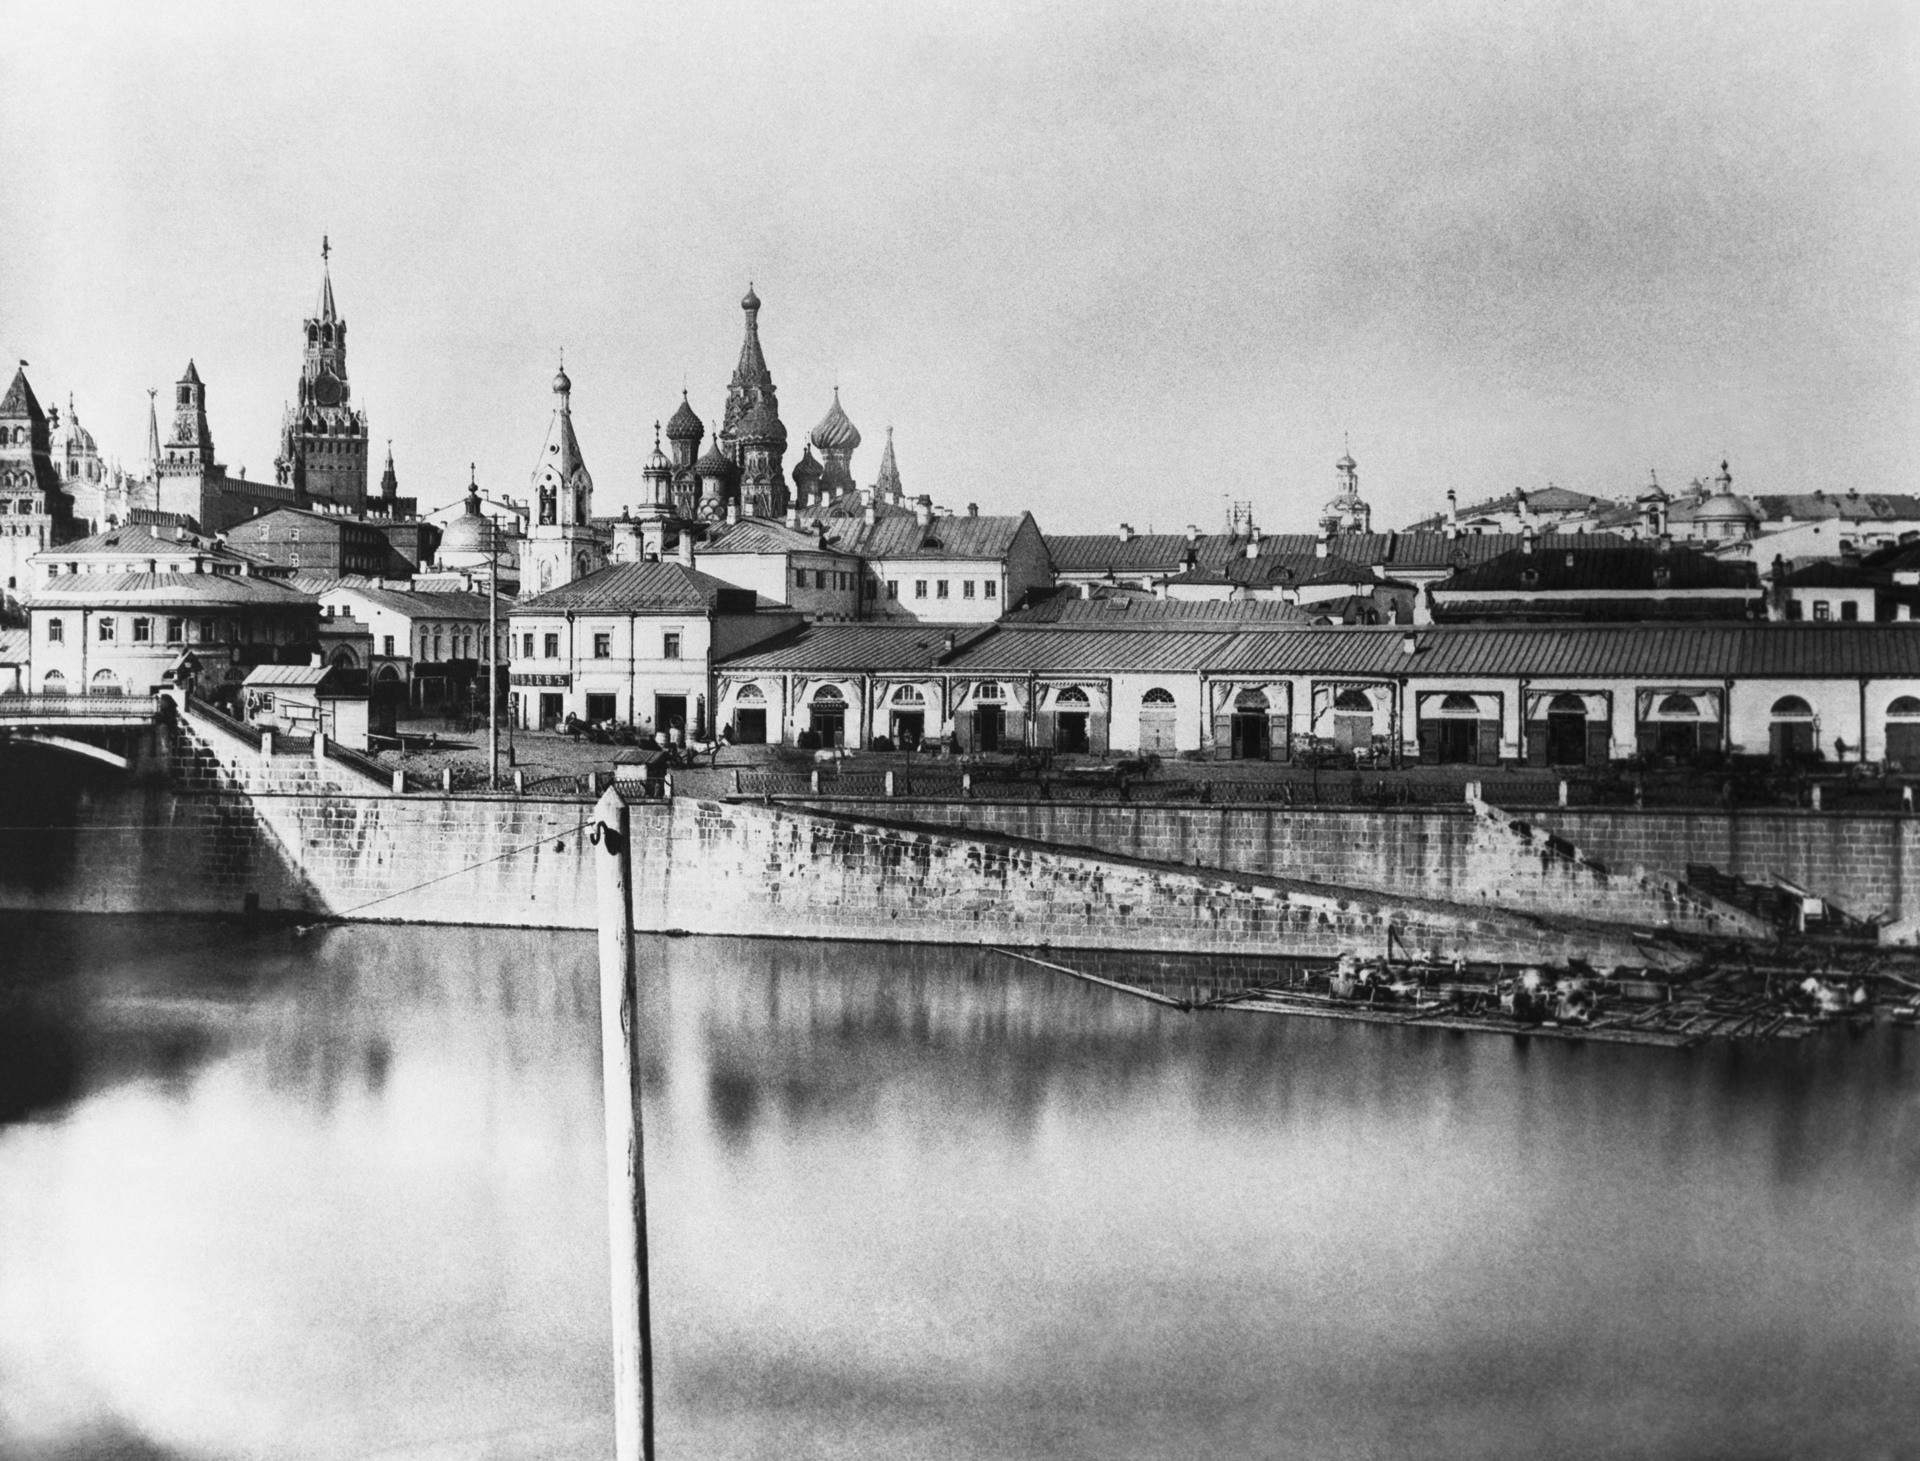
(919, 588)
(143, 630)
(388, 650)
(56, 632)
(206, 631)
(176, 631)
(553, 646)
(1822, 610)
(1794, 609)
(603, 646)
(940, 589)
(107, 628)
(526, 646)
(966, 589)
(993, 589)
(799, 578)
(893, 588)
(670, 644)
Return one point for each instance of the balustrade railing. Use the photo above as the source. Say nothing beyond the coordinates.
(77, 707)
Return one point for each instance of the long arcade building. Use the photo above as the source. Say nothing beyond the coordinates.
(1464, 694)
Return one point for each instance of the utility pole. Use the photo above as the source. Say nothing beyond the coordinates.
(626, 1168)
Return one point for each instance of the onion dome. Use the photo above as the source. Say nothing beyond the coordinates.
(684, 424)
(1346, 463)
(657, 463)
(762, 426)
(561, 383)
(714, 463)
(751, 302)
(807, 469)
(835, 432)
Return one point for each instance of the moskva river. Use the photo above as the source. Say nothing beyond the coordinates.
(342, 1195)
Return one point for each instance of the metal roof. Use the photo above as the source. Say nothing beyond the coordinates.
(758, 535)
(13, 646)
(648, 588)
(1584, 570)
(854, 647)
(157, 590)
(1167, 552)
(1677, 652)
(291, 676)
(942, 537)
(424, 603)
(1118, 608)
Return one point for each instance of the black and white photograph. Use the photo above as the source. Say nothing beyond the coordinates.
(1119, 731)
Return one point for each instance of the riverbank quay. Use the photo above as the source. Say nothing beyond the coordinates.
(238, 823)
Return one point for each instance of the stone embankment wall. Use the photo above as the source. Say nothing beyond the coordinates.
(203, 844)
(1471, 855)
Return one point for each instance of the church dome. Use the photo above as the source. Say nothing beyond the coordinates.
(714, 463)
(762, 425)
(751, 301)
(684, 424)
(468, 532)
(561, 382)
(808, 468)
(1725, 507)
(835, 432)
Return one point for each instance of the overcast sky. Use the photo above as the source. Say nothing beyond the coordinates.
(1101, 261)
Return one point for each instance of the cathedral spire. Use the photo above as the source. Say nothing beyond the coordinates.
(886, 487)
(153, 432)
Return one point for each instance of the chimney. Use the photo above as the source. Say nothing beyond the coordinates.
(1526, 508)
(1193, 533)
(869, 515)
(685, 553)
(1126, 532)
(1526, 538)
(973, 509)
(1320, 544)
(1453, 507)
(1422, 611)
(923, 509)
(1086, 590)
(733, 512)
(1409, 643)
(946, 645)
(793, 517)
(1253, 549)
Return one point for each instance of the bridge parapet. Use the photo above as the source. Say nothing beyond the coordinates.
(32, 710)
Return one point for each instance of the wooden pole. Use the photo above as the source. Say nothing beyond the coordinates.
(626, 1177)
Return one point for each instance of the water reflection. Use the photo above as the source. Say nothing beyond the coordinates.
(341, 1195)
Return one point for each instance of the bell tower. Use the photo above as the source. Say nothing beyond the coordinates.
(323, 439)
(562, 545)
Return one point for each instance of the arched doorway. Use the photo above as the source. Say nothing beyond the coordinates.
(1567, 731)
(907, 717)
(1458, 730)
(989, 716)
(1157, 722)
(750, 716)
(1071, 714)
(827, 716)
(54, 684)
(1903, 734)
(1352, 721)
(1250, 738)
(1793, 731)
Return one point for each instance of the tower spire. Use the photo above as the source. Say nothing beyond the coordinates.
(153, 431)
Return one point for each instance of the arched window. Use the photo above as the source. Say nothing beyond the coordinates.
(829, 695)
(1157, 696)
(908, 695)
(1679, 705)
(1792, 707)
(1072, 695)
(54, 684)
(105, 682)
(1905, 705)
(1458, 704)
(1353, 700)
(388, 675)
(1250, 700)
(987, 690)
(750, 695)
(1567, 705)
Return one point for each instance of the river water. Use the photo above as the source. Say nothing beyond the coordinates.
(343, 1196)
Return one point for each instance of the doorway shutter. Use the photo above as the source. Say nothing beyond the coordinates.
(1710, 735)
(1536, 743)
(1223, 736)
(1097, 734)
(1599, 742)
(1043, 730)
(1489, 743)
(963, 730)
(1429, 743)
(1013, 729)
(1279, 737)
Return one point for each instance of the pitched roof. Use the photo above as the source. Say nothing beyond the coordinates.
(1166, 553)
(423, 603)
(1271, 570)
(155, 590)
(648, 587)
(290, 676)
(878, 648)
(763, 535)
(13, 646)
(1850, 506)
(1109, 607)
(20, 401)
(1584, 570)
(1048, 650)
(943, 537)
